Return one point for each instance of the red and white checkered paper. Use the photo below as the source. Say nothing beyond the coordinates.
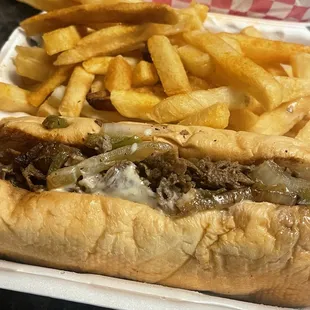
(291, 10)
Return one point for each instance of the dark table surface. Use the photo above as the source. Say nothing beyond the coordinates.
(11, 12)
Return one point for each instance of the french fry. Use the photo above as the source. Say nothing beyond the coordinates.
(294, 88)
(197, 83)
(119, 75)
(242, 119)
(105, 116)
(107, 2)
(51, 105)
(99, 65)
(251, 32)
(233, 43)
(301, 65)
(61, 39)
(14, 99)
(282, 119)
(120, 39)
(275, 69)
(157, 90)
(36, 53)
(177, 40)
(263, 50)
(32, 68)
(98, 84)
(168, 65)
(28, 84)
(304, 133)
(46, 109)
(56, 97)
(178, 107)
(49, 5)
(92, 13)
(288, 69)
(106, 34)
(59, 76)
(134, 104)
(144, 74)
(215, 116)
(33, 63)
(239, 70)
(255, 106)
(195, 61)
(294, 131)
(106, 42)
(76, 91)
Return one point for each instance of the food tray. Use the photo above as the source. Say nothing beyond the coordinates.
(118, 293)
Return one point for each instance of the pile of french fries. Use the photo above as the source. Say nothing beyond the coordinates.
(129, 60)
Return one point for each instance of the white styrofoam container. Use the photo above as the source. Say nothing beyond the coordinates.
(118, 293)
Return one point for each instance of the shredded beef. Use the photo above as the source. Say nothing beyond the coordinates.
(171, 176)
(202, 173)
(221, 174)
(29, 170)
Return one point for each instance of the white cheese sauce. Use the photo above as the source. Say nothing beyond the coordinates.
(124, 183)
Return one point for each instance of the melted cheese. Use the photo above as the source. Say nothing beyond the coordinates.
(128, 185)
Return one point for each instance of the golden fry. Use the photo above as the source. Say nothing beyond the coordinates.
(99, 65)
(251, 32)
(61, 39)
(263, 50)
(301, 65)
(196, 62)
(197, 83)
(275, 69)
(119, 75)
(177, 40)
(118, 40)
(46, 109)
(288, 69)
(294, 88)
(107, 2)
(168, 65)
(304, 133)
(238, 70)
(215, 116)
(32, 68)
(49, 5)
(14, 99)
(178, 107)
(242, 119)
(91, 13)
(76, 91)
(33, 63)
(37, 53)
(134, 104)
(255, 106)
(98, 84)
(59, 76)
(282, 119)
(103, 43)
(294, 131)
(105, 116)
(232, 42)
(144, 74)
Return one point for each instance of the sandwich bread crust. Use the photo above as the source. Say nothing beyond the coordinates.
(254, 251)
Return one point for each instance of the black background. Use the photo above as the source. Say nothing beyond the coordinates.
(11, 13)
